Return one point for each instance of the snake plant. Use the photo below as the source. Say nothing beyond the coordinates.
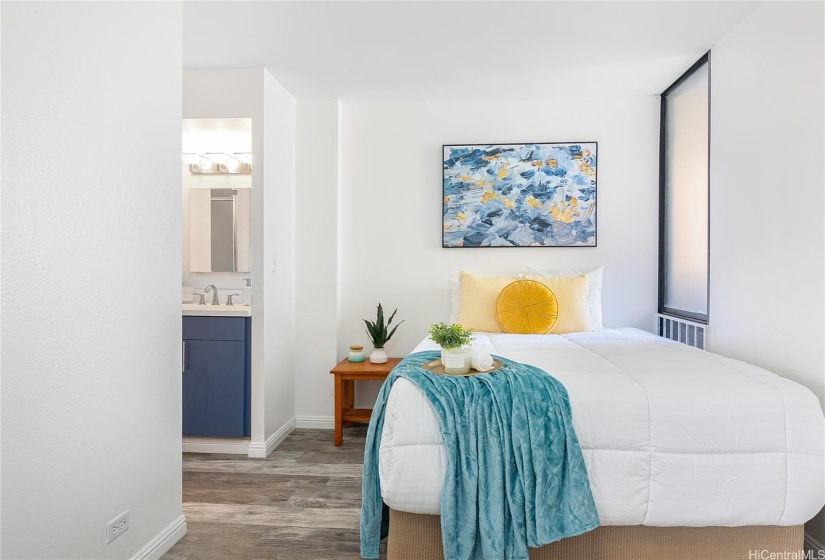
(378, 331)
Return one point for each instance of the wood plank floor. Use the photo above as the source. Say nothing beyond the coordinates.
(300, 503)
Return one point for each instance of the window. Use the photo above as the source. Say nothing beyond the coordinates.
(683, 194)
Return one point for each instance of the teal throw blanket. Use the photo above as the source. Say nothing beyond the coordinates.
(515, 474)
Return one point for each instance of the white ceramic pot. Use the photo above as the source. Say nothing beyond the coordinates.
(456, 360)
(378, 356)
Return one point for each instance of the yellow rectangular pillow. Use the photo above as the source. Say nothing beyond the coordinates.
(574, 308)
(480, 293)
(478, 301)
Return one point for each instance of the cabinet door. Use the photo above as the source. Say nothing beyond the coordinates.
(213, 388)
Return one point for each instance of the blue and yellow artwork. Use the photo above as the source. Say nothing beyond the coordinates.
(520, 195)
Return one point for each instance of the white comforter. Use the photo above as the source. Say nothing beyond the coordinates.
(671, 435)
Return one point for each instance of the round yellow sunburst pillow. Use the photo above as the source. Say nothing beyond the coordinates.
(527, 307)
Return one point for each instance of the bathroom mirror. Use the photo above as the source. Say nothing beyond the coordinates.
(216, 167)
(219, 230)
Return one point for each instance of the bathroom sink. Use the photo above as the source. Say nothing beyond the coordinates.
(195, 310)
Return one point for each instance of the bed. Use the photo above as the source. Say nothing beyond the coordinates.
(689, 454)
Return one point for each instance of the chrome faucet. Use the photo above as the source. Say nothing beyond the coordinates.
(215, 300)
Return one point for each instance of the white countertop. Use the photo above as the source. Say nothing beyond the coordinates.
(196, 310)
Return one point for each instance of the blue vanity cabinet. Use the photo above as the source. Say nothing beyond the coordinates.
(216, 376)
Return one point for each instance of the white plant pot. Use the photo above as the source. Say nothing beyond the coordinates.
(378, 356)
(456, 360)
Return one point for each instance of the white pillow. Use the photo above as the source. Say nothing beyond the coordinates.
(455, 300)
(594, 297)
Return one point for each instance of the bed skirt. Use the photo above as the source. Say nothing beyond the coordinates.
(415, 536)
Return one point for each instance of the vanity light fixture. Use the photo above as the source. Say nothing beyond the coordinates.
(218, 163)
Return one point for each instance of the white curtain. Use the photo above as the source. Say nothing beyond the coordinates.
(200, 230)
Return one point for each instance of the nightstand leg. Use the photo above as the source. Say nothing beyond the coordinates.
(349, 394)
(339, 405)
(349, 399)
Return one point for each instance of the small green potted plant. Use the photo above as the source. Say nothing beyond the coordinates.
(454, 341)
(380, 334)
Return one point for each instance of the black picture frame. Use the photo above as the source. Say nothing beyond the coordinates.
(483, 206)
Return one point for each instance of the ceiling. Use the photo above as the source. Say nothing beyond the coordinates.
(412, 51)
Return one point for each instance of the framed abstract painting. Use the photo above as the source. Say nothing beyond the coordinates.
(520, 195)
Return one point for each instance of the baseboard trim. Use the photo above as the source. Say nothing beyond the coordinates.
(814, 545)
(262, 450)
(215, 445)
(163, 541)
(315, 422)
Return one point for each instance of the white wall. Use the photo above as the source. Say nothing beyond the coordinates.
(317, 239)
(254, 93)
(391, 205)
(767, 195)
(279, 245)
(91, 394)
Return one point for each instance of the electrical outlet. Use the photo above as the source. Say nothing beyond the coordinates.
(117, 526)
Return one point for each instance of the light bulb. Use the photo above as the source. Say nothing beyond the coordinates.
(232, 164)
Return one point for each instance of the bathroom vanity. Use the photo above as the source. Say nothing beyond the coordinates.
(216, 372)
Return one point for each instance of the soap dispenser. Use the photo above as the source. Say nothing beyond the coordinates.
(246, 293)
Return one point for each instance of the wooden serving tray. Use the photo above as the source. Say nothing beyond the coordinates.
(437, 368)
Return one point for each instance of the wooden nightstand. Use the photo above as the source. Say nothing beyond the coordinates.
(346, 374)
